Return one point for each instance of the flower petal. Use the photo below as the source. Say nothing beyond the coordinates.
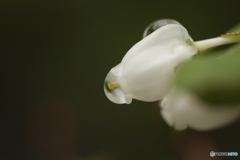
(116, 95)
(148, 67)
(147, 70)
(196, 114)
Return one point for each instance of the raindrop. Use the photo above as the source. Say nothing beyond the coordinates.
(158, 24)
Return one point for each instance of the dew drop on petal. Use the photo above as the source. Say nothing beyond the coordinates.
(113, 90)
(158, 24)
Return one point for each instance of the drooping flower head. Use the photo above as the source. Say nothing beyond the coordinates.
(146, 71)
(148, 68)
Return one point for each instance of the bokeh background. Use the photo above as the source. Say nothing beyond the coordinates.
(54, 58)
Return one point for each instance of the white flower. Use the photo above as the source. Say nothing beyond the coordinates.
(183, 109)
(147, 70)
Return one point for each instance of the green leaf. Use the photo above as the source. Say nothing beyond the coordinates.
(231, 35)
(234, 32)
(234, 29)
(215, 79)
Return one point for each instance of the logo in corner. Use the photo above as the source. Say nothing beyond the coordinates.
(212, 154)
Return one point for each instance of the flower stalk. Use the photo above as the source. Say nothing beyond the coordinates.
(204, 45)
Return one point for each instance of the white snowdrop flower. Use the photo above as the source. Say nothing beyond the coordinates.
(146, 71)
(184, 109)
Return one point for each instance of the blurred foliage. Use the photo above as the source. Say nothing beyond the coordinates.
(214, 78)
(235, 29)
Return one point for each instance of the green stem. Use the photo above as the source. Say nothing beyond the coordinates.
(213, 42)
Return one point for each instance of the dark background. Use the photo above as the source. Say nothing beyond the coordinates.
(54, 58)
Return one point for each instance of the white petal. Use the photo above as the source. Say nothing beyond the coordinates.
(147, 70)
(166, 37)
(188, 110)
(116, 95)
(148, 67)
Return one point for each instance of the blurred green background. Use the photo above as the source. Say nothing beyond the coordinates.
(54, 58)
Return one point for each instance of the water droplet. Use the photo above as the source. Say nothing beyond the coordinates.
(158, 24)
(113, 90)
